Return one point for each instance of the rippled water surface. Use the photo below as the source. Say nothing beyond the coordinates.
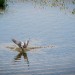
(51, 30)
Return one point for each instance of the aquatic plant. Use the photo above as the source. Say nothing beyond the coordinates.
(2, 3)
(73, 12)
(63, 5)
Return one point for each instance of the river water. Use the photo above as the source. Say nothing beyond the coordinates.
(45, 25)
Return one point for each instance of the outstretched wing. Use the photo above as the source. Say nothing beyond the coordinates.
(26, 44)
(17, 42)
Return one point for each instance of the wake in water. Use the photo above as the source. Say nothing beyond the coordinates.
(22, 51)
(29, 48)
(15, 48)
(23, 46)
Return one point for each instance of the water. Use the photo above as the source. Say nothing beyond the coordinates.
(45, 25)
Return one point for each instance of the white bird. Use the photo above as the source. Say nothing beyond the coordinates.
(20, 43)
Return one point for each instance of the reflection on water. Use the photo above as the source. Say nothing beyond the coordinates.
(24, 54)
(2, 10)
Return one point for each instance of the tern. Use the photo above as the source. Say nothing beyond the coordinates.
(20, 43)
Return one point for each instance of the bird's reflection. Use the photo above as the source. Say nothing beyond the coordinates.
(23, 51)
(20, 54)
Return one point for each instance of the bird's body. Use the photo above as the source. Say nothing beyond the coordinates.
(20, 43)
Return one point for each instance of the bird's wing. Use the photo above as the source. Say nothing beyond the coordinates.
(28, 42)
(24, 46)
(17, 42)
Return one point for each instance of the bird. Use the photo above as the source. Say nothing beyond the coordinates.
(20, 43)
